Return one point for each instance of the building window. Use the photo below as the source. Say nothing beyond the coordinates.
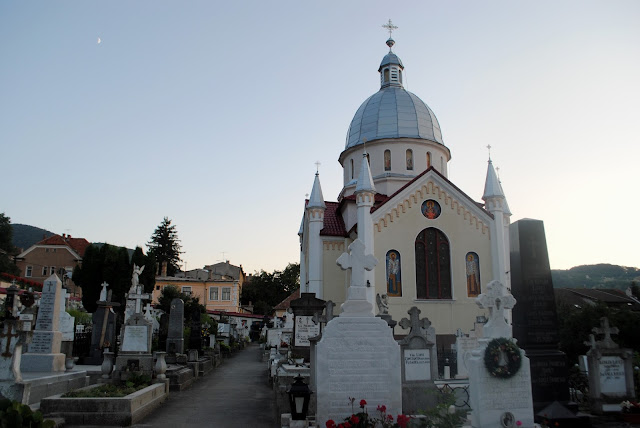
(213, 293)
(409, 159)
(157, 288)
(352, 169)
(186, 290)
(433, 265)
(226, 293)
(428, 159)
(44, 270)
(29, 272)
(386, 75)
(52, 270)
(387, 160)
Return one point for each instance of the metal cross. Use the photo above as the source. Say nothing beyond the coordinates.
(415, 323)
(318, 166)
(390, 27)
(489, 148)
(6, 352)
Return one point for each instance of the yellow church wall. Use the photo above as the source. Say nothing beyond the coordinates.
(334, 279)
(396, 227)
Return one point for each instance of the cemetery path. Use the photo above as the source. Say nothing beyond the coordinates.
(235, 394)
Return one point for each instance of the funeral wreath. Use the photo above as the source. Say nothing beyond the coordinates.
(502, 358)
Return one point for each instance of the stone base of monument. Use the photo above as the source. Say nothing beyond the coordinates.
(36, 386)
(180, 378)
(116, 411)
(32, 362)
(205, 366)
(419, 396)
(128, 364)
(195, 368)
(493, 400)
(357, 357)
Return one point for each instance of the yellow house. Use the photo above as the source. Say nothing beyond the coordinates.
(218, 288)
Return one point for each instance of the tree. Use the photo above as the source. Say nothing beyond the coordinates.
(111, 264)
(7, 250)
(266, 290)
(164, 246)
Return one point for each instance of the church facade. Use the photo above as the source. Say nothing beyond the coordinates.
(436, 246)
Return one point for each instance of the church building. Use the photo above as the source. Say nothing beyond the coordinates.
(436, 246)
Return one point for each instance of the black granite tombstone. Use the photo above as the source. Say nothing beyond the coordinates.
(195, 335)
(304, 309)
(535, 321)
(103, 332)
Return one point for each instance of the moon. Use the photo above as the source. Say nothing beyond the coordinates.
(99, 40)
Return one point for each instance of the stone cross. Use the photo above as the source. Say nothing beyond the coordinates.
(103, 292)
(328, 313)
(139, 297)
(147, 309)
(358, 262)
(607, 331)
(592, 342)
(497, 301)
(415, 323)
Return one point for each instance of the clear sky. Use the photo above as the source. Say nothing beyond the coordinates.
(115, 114)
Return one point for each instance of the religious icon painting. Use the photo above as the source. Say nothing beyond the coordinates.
(431, 209)
(394, 278)
(473, 274)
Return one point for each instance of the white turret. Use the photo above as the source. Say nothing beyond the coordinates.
(496, 204)
(365, 196)
(315, 213)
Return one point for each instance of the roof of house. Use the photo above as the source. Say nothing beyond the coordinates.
(79, 245)
(286, 303)
(591, 296)
(225, 269)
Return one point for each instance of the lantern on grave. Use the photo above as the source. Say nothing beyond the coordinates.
(299, 395)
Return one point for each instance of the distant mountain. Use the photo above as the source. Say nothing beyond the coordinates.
(596, 276)
(25, 236)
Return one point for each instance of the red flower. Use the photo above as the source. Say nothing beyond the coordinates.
(382, 409)
(330, 424)
(355, 419)
(347, 425)
(390, 417)
(403, 420)
(363, 403)
(519, 423)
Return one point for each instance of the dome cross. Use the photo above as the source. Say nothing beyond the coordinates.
(390, 27)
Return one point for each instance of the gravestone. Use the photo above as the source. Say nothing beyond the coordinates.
(535, 321)
(419, 364)
(44, 350)
(610, 371)
(66, 326)
(498, 401)
(195, 336)
(175, 332)
(148, 314)
(465, 344)
(103, 331)
(357, 355)
(304, 328)
(135, 349)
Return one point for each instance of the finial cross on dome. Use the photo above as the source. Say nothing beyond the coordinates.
(390, 27)
(489, 148)
(317, 166)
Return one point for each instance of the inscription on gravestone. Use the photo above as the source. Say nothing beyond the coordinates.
(612, 379)
(135, 339)
(304, 329)
(417, 364)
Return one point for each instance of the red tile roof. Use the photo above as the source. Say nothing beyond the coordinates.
(79, 245)
(286, 303)
(333, 222)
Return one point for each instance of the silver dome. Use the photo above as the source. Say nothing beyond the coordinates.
(393, 112)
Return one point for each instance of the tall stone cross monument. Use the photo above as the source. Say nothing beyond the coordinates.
(357, 355)
(500, 391)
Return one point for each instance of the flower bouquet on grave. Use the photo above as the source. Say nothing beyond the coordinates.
(630, 407)
(363, 420)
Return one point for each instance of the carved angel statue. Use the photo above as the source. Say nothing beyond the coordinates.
(135, 280)
(383, 303)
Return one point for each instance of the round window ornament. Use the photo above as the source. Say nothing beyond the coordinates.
(431, 209)
(502, 358)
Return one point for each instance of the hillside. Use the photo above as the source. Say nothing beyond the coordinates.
(596, 276)
(25, 236)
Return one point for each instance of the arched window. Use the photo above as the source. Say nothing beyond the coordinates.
(409, 159)
(387, 160)
(433, 265)
(351, 169)
(428, 159)
(386, 75)
(473, 274)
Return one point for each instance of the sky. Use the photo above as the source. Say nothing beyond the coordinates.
(114, 115)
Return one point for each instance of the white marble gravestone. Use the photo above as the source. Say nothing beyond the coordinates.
(494, 401)
(357, 355)
(66, 320)
(44, 350)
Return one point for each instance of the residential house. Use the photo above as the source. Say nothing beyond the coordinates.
(53, 255)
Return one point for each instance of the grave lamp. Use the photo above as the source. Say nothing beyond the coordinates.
(299, 395)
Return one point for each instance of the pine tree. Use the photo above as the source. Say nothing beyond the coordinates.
(165, 246)
(7, 250)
